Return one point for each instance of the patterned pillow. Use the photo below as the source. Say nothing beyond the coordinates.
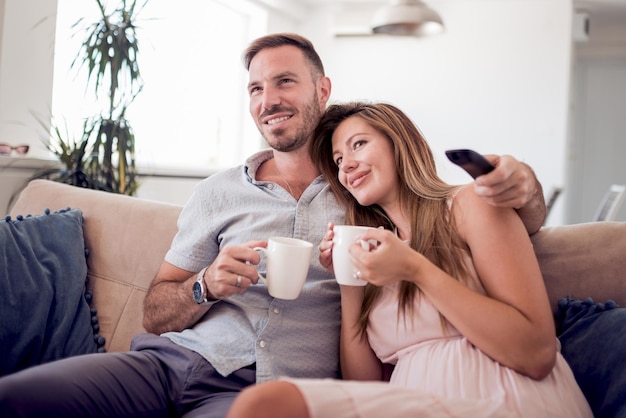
(593, 342)
(44, 312)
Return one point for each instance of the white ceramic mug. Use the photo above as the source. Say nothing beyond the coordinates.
(344, 237)
(287, 263)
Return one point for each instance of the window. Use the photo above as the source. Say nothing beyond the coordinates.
(192, 113)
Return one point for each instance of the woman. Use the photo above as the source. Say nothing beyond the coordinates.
(455, 300)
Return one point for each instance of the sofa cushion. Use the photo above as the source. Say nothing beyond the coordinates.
(44, 314)
(593, 343)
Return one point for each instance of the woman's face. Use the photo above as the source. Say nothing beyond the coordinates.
(366, 163)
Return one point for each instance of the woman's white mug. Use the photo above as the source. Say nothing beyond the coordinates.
(344, 237)
(287, 263)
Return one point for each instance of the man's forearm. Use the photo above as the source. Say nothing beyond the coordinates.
(170, 307)
(533, 214)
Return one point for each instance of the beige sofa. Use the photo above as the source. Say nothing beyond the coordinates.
(128, 238)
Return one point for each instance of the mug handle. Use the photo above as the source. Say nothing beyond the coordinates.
(368, 245)
(264, 251)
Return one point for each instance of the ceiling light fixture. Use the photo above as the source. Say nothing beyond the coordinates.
(407, 18)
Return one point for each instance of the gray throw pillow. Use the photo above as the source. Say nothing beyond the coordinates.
(44, 314)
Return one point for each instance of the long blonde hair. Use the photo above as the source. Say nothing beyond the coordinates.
(424, 197)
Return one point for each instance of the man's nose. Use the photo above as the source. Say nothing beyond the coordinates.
(271, 98)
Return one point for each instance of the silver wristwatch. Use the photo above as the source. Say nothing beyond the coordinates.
(199, 291)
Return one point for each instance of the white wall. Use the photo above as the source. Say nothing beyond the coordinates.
(26, 62)
(598, 124)
(496, 81)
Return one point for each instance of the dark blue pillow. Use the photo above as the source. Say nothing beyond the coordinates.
(44, 314)
(593, 341)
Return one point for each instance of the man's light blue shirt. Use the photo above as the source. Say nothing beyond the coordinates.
(296, 338)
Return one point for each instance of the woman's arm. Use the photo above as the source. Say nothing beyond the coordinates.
(358, 361)
(512, 323)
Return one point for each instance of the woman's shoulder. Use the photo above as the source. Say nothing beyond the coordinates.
(464, 197)
(468, 208)
(455, 190)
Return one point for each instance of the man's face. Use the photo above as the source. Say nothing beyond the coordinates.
(285, 103)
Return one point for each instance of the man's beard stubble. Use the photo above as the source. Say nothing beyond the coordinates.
(311, 117)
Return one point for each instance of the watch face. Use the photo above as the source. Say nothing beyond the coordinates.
(197, 292)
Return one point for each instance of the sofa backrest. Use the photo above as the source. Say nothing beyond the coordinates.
(586, 260)
(127, 238)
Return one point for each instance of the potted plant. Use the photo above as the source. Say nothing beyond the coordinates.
(104, 157)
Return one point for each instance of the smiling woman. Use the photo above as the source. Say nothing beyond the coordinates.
(191, 112)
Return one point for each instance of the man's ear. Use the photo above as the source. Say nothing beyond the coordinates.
(324, 87)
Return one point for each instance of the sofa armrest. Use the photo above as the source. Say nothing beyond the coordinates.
(127, 238)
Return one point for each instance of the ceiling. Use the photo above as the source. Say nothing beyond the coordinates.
(599, 10)
(603, 9)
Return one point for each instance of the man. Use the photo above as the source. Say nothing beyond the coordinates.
(220, 331)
